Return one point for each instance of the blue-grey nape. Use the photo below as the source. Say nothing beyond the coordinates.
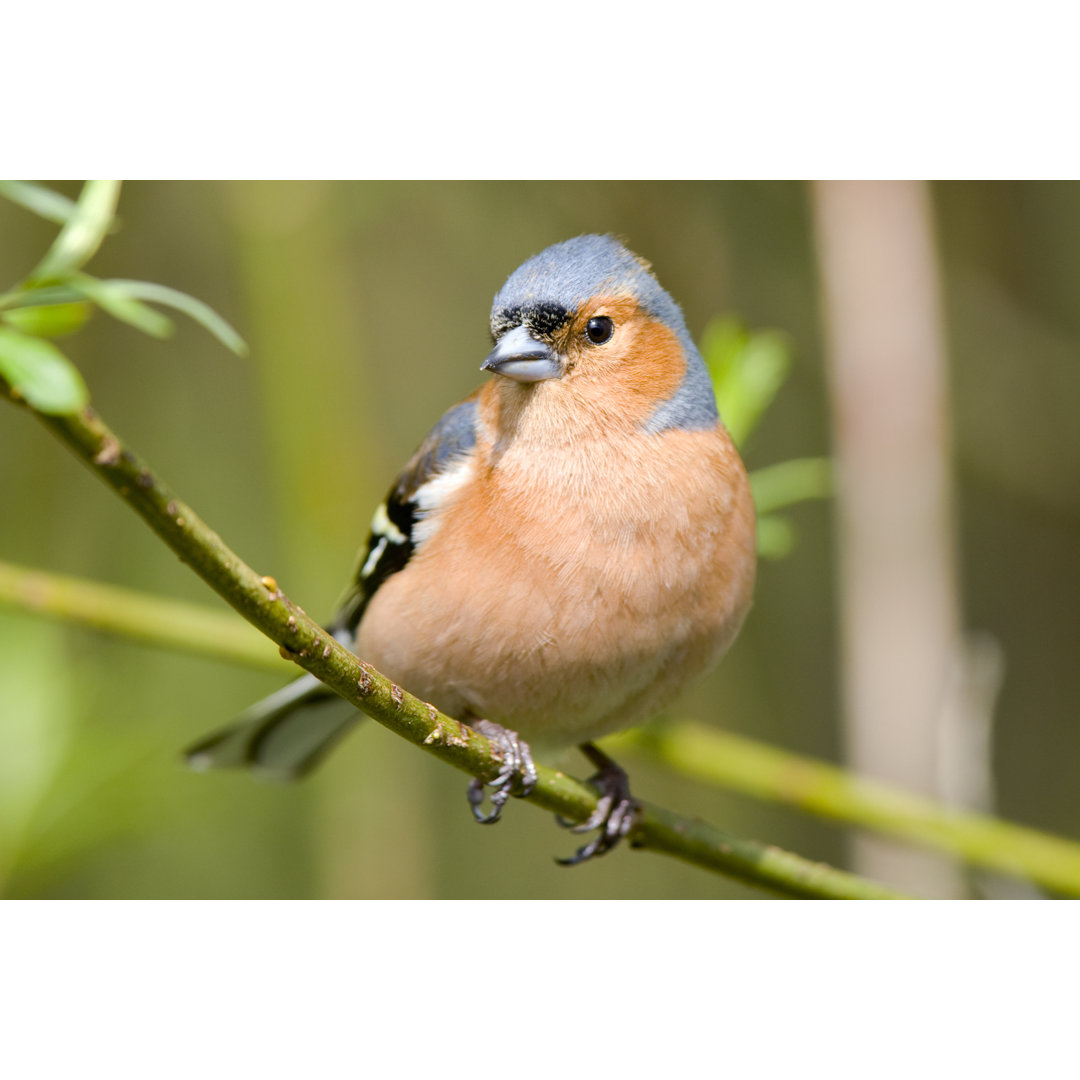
(564, 276)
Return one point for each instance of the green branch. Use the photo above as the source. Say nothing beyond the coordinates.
(153, 620)
(704, 753)
(259, 600)
(719, 757)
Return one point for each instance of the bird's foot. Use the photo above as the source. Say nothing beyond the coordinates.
(615, 812)
(517, 774)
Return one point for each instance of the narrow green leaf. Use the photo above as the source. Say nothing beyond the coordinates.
(777, 486)
(49, 320)
(41, 374)
(35, 297)
(766, 362)
(39, 200)
(747, 371)
(775, 537)
(82, 233)
(724, 338)
(119, 303)
(202, 313)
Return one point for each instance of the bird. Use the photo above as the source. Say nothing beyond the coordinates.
(569, 547)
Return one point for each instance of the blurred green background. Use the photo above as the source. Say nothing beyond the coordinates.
(365, 306)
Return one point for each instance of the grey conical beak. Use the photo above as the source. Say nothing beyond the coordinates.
(521, 357)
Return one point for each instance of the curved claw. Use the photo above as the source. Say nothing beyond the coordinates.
(517, 769)
(615, 813)
(475, 795)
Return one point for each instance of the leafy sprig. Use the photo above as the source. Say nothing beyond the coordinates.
(57, 297)
(748, 369)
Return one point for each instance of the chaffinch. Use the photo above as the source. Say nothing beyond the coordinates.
(569, 547)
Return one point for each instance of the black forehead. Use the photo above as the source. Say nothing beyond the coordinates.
(542, 318)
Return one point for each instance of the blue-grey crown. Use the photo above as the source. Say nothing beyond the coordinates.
(568, 274)
(554, 284)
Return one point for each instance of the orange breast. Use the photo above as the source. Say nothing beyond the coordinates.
(573, 594)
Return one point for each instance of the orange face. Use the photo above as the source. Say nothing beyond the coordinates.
(613, 350)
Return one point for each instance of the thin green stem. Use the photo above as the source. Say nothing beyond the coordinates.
(704, 753)
(733, 761)
(153, 620)
(259, 600)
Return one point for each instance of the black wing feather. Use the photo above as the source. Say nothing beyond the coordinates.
(390, 543)
(286, 734)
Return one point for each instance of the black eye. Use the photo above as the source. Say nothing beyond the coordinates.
(599, 329)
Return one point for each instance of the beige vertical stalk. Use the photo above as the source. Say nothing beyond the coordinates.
(899, 599)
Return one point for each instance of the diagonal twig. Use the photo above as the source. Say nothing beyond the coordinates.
(259, 600)
(708, 754)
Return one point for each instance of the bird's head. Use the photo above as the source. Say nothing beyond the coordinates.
(588, 314)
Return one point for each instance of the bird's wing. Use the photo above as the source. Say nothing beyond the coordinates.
(393, 537)
(286, 734)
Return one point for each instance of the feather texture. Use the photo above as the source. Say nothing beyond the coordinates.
(566, 550)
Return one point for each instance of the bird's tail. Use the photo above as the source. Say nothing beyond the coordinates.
(283, 736)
